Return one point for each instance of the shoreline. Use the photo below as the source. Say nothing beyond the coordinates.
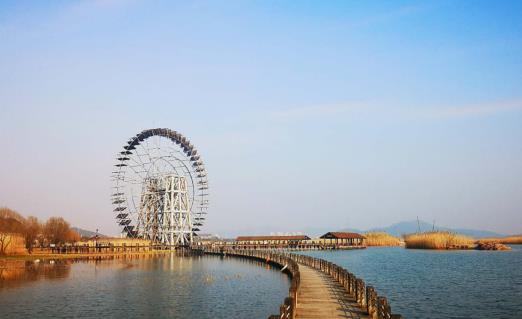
(35, 256)
(46, 255)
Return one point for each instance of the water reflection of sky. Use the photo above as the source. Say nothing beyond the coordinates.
(440, 284)
(158, 287)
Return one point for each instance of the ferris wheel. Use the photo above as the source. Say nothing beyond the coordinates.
(160, 188)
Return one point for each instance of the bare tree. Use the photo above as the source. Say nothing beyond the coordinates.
(32, 230)
(5, 240)
(56, 230)
(11, 223)
(6, 213)
(73, 236)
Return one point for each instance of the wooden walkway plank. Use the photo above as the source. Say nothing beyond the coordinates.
(321, 297)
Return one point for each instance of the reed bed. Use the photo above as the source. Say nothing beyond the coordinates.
(509, 240)
(438, 240)
(381, 239)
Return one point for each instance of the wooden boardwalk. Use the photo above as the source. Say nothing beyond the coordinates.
(321, 297)
(318, 288)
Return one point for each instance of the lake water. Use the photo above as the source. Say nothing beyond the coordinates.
(160, 287)
(418, 283)
(440, 284)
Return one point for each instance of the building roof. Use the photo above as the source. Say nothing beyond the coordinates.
(342, 235)
(293, 237)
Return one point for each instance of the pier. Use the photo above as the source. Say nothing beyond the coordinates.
(328, 241)
(318, 289)
(321, 297)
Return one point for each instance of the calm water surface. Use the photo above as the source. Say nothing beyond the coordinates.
(159, 287)
(440, 284)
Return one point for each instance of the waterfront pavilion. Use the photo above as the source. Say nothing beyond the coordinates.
(343, 239)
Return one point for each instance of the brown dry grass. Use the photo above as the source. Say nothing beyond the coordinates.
(509, 240)
(381, 239)
(438, 240)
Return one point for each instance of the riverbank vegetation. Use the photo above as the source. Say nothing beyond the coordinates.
(509, 240)
(19, 234)
(438, 240)
(381, 239)
(491, 245)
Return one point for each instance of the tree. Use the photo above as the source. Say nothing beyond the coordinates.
(6, 213)
(56, 230)
(73, 236)
(5, 240)
(11, 222)
(32, 230)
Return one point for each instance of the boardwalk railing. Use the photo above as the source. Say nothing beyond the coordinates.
(297, 245)
(366, 297)
(287, 309)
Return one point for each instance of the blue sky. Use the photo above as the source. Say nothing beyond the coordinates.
(307, 114)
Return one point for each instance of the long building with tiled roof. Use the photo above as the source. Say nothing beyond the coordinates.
(343, 238)
(272, 239)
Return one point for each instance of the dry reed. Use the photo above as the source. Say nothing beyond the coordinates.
(438, 240)
(509, 240)
(381, 239)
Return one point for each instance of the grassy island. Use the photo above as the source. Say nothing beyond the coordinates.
(439, 240)
(509, 240)
(450, 240)
(381, 239)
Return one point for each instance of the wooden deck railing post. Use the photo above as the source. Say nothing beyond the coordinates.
(290, 313)
(361, 293)
(384, 311)
(356, 290)
(371, 302)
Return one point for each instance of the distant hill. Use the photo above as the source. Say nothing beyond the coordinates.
(86, 233)
(408, 227)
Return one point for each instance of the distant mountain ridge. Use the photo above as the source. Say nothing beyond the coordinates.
(86, 233)
(408, 227)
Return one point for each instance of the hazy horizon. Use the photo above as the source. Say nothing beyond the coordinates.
(307, 114)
